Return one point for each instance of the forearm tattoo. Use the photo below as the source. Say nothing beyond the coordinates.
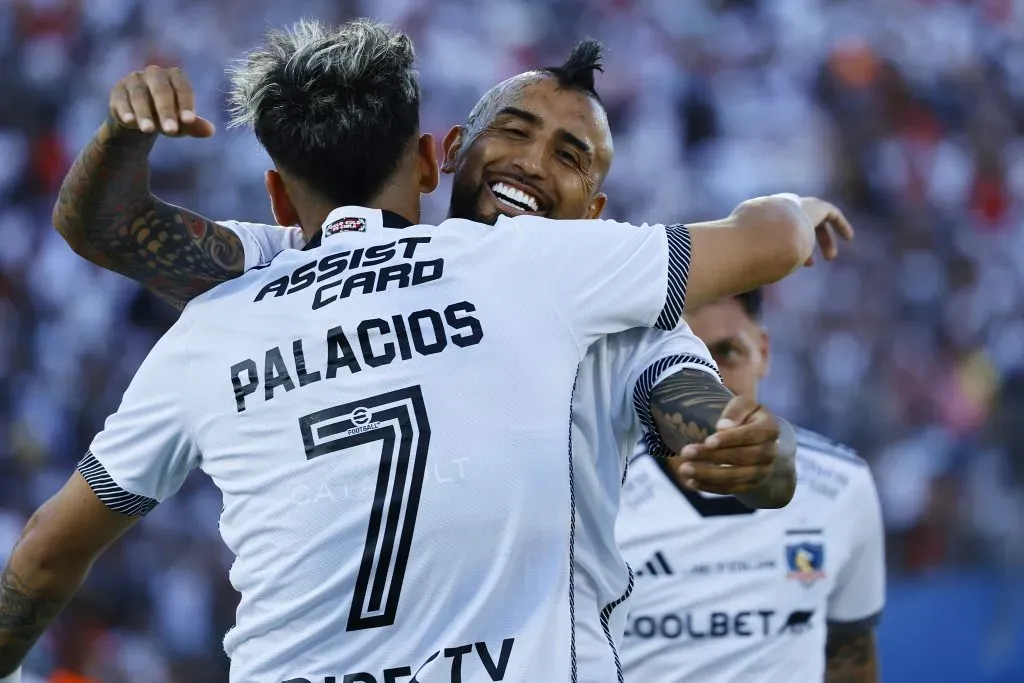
(778, 488)
(851, 657)
(23, 618)
(686, 406)
(106, 212)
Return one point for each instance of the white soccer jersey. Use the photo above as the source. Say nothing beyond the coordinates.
(725, 594)
(610, 407)
(389, 410)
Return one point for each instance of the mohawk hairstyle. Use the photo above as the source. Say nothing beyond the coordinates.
(577, 72)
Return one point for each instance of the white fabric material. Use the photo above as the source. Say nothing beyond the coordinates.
(380, 417)
(725, 598)
(605, 427)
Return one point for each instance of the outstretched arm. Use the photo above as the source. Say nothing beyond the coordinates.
(760, 449)
(107, 214)
(58, 546)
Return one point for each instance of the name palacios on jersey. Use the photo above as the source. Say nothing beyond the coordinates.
(379, 341)
(461, 657)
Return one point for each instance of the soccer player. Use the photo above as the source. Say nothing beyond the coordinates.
(360, 359)
(728, 594)
(212, 252)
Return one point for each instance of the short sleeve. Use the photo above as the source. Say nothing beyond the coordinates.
(608, 276)
(262, 242)
(146, 449)
(859, 594)
(660, 355)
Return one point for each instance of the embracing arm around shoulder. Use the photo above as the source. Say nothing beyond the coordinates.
(58, 546)
(107, 214)
(753, 460)
(762, 241)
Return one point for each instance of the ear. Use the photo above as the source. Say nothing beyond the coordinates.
(451, 147)
(766, 348)
(597, 205)
(280, 203)
(427, 162)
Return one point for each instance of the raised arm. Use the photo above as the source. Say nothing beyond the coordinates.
(56, 550)
(752, 456)
(107, 214)
(761, 242)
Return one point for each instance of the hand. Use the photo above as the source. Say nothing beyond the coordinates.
(737, 458)
(826, 219)
(158, 100)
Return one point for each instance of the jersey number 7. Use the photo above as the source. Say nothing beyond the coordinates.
(398, 419)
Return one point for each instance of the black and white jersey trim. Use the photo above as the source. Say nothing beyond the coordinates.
(109, 493)
(679, 249)
(642, 397)
(573, 667)
(606, 617)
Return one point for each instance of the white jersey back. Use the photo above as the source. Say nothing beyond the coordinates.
(387, 417)
(725, 594)
(609, 410)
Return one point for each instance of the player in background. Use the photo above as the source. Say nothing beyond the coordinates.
(608, 430)
(726, 594)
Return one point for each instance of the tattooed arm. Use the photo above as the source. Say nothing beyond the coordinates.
(107, 214)
(58, 546)
(687, 406)
(850, 656)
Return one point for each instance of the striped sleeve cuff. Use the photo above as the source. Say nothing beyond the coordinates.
(642, 397)
(109, 493)
(678, 273)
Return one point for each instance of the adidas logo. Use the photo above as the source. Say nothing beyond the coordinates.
(656, 566)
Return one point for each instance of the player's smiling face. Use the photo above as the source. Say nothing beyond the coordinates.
(534, 149)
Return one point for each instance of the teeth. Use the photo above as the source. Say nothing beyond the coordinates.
(505, 191)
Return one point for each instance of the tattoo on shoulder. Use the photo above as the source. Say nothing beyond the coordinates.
(686, 406)
(850, 657)
(106, 212)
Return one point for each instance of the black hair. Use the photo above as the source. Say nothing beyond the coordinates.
(577, 72)
(751, 302)
(336, 107)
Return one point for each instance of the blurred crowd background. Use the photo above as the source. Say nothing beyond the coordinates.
(907, 113)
